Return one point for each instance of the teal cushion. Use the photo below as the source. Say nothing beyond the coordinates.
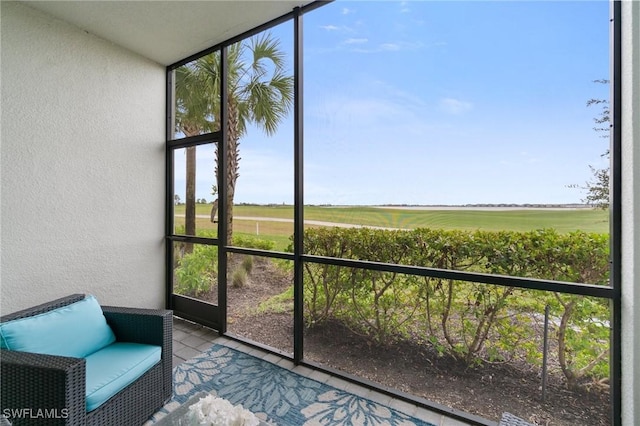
(113, 368)
(75, 330)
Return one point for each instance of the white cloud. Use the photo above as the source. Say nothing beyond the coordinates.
(343, 29)
(355, 41)
(346, 11)
(455, 106)
(390, 46)
(404, 7)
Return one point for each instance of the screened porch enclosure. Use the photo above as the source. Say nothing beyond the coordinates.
(358, 202)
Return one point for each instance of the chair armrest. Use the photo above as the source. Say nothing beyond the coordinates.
(55, 385)
(150, 326)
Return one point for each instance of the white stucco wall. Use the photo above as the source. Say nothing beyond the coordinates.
(82, 166)
(631, 213)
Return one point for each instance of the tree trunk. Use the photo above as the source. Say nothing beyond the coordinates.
(190, 188)
(214, 209)
(233, 159)
(190, 195)
(568, 372)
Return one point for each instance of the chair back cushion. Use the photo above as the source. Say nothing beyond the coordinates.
(75, 330)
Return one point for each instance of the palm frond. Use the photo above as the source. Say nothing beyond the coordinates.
(197, 92)
(266, 47)
(259, 87)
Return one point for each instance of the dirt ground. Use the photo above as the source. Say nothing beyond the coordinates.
(487, 391)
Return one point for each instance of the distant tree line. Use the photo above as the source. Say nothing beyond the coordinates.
(177, 200)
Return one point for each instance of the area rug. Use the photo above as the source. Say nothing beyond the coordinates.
(275, 394)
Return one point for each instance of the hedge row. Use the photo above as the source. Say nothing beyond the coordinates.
(472, 322)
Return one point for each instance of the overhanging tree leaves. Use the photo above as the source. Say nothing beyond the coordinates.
(260, 92)
(597, 188)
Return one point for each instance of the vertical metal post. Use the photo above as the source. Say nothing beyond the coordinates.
(222, 191)
(615, 211)
(545, 349)
(298, 215)
(169, 189)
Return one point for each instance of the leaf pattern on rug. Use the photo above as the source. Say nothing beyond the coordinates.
(338, 408)
(192, 374)
(275, 394)
(267, 390)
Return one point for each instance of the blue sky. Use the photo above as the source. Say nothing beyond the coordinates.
(438, 102)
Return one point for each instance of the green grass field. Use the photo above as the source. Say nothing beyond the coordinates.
(588, 220)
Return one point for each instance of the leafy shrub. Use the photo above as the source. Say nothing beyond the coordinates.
(323, 283)
(471, 322)
(247, 241)
(196, 272)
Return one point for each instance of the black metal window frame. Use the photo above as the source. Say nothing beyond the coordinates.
(612, 292)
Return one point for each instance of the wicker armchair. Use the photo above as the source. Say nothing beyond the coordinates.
(56, 384)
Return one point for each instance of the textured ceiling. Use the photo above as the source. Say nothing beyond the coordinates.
(166, 31)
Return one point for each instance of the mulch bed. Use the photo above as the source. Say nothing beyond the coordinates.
(486, 391)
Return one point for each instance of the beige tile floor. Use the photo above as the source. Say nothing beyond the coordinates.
(191, 339)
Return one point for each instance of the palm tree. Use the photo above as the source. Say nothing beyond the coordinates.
(259, 92)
